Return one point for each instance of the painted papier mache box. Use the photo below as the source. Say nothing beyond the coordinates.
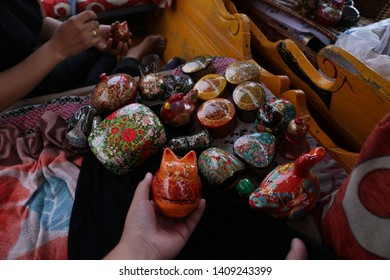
(127, 138)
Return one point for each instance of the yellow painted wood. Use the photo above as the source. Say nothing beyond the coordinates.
(214, 28)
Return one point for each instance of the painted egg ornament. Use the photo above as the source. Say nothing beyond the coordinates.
(291, 190)
(113, 92)
(220, 168)
(176, 186)
(151, 84)
(257, 151)
(178, 110)
(273, 116)
(127, 138)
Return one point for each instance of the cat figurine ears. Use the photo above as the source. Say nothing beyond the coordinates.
(169, 155)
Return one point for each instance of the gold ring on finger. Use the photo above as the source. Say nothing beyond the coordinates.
(94, 33)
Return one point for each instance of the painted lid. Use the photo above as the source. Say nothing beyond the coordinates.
(216, 112)
(210, 86)
(256, 149)
(217, 166)
(249, 95)
(197, 63)
(241, 71)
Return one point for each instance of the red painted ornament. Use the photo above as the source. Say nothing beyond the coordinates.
(294, 142)
(179, 109)
(176, 186)
(330, 12)
(114, 92)
(290, 190)
(119, 33)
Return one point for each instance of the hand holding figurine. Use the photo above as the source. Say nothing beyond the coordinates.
(148, 234)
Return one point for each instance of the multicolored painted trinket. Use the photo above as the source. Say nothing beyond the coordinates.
(179, 109)
(218, 116)
(244, 187)
(119, 33)
(220, 168)
(273, 116)
(176, 186)
(248, 97)
(198, 67)
(198, 142)
(127, 138)
(291, 190)
(80, 126)
(178, 84)
(151, 84)
(113, 92)
(257, 151)
(294, 142)
(211, 86)
(330, 12)
(241, 71)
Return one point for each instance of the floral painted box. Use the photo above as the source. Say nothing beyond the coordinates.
(127, 138)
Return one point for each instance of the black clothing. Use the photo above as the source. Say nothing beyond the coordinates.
(20, 25)
(229, 229)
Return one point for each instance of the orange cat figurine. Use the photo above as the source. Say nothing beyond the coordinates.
(176, 186)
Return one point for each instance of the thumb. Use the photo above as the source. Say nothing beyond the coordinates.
(298, 250)
(143, 189)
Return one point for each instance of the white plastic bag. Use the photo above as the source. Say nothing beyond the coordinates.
(370, 44)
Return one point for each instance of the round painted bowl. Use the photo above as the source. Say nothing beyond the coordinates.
(114, 92)
(218, 116)
(127, 138)
(220, 168)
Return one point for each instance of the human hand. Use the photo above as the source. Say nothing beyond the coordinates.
(298, 250)
(148, 234)
(78, 33)
(106, 43)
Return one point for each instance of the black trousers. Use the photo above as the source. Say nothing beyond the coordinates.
(229, 229)
(83, 70)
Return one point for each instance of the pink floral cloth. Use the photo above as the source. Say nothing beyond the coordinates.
(38, 176)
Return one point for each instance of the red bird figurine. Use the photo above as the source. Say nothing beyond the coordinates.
(179, 108)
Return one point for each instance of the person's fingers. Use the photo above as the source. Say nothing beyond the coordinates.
(86, 16)
(297, 251)
(193, 219)
(125, 48)
(93, 26)
(143, 189)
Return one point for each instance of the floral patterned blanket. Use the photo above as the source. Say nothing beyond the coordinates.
(38, 176)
